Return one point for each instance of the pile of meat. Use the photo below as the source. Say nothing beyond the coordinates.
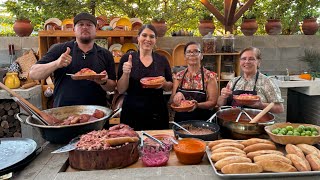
(82, 118)
(97, 140)
(85, 71)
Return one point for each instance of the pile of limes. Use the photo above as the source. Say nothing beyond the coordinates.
(299, 131)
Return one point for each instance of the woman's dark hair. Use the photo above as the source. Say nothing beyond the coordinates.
(191, 43)
(149, 26)
(256, 51)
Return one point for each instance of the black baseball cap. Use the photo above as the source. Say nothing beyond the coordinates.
(84, 16)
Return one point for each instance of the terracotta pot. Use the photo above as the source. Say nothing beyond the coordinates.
(249, 27)
(273, 26)
(23, 27)
(310, 26)
(206, 26)
(160, 26)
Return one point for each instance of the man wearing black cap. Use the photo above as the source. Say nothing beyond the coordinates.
(72, 56)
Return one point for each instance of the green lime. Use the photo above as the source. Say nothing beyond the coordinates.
(308, 133)
(302, 127)
(299, 130)
(284, 130)
(290, 133)
(307, 128)
(314, 129)
(275, 131)
(315, 133)
(280, 133)
(296, 134)
(289, 128)
(303, 134)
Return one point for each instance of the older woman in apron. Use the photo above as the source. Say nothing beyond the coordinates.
(195, 83)
(252, 82)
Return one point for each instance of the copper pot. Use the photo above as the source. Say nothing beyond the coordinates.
(242, 129)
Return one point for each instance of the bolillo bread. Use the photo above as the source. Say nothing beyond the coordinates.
(276, 166)
(231, 159)
(252, 141)
(241, 168)
(309, 149)
(259, 146)
(300, 163)
(293, 149)
(217, 156)
(314, 162)
(236, 145)
(216, 142)
(272, 157)
(228, 149)
(251, 155)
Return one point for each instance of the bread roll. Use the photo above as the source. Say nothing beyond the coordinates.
(216, 142)
(121, 140)
(255, 141)
(299, 162)
(231, 159)
(259, 146)
(217, 156)
(314, 162)
(251, 155)
(308, 149)
(276, 166)
(293, 149)
(236, 145)
(228, 149)
(241, 168)
(272, 157)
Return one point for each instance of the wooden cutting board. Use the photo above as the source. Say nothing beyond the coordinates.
(173, 161)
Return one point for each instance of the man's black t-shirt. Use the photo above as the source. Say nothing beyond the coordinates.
(79, 92)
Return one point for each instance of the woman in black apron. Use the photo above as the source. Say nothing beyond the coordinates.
(204, 100)
(252, 82)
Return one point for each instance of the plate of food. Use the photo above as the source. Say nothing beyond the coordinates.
(87, 73)
(152, 82)
(185, 106)
(246, 99)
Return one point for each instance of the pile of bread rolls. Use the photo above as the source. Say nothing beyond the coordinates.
(260, 155)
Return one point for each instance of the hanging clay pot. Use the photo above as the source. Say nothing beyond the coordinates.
(249, 27)
(273, 26)
(206, 26)
(23, 27)
(160, 26)
(310, 26)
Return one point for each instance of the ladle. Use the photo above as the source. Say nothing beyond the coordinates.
(153, 138)
(47, 117)
(262, 113)
(181, 127)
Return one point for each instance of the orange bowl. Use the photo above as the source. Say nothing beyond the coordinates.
(246, 99)
(185, 106)
(291, 139)
(190, 150)
(152, 82)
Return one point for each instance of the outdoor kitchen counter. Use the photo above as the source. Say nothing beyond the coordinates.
(49, 166)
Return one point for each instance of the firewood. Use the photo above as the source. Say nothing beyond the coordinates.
(16, 134)
(14, 105)
(10, 112)
(1, 134)
(4, 117)
(2, 112)
(16, 110)
(1, 105)
(7, 106)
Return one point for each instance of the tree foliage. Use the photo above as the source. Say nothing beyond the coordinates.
(179, 14)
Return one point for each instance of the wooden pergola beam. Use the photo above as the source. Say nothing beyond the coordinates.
(243, 9)
(231, 6)
(213, 10)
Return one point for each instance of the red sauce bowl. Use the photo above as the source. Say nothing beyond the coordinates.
(190, 150)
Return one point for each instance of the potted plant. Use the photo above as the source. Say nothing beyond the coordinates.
(310, 25)
(206, 24)
(312, 57)
(159, 22)
(273, 25)
(249, 24)
(22, 26)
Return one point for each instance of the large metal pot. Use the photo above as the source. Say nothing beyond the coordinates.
(242, 129)
(199, 124)
(63, 134)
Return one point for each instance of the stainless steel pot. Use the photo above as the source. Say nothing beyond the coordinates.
(242, 129)
(63, 134)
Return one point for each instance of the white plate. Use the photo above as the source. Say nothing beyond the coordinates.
(113, 22)
(115, 47)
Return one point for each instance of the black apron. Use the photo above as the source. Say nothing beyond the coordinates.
(231, 102)
(193, 94)
(145, 111)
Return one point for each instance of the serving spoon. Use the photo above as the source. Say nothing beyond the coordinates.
(153, 138)
(181, 127)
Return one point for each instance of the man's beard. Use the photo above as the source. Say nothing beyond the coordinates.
(86, 40)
